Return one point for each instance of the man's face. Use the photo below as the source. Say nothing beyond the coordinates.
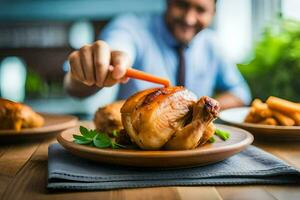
(185, 18)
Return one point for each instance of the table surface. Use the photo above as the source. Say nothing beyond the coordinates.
(23, 175)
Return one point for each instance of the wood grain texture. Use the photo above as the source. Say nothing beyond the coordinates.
(244, 193)
(23, 175)
(284, 192)
(13, 159)
(195, 193)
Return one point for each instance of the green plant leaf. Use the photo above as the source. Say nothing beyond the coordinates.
(84, 131)
(87, 133)
(93, 133)
(82, 141)
(82, 138)
(115, 145)
(102, 141)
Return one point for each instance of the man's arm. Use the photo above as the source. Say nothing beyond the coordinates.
(103, 63)
(94, 67)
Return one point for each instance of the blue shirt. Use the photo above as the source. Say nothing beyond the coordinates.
(152, 49)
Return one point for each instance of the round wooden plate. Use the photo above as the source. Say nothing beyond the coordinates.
(204, 155)
(53, 124)
(236, 117)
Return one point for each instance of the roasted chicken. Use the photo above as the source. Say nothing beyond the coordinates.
(108, 118)
(17, 116)
(169, 118)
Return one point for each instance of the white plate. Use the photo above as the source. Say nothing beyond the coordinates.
(236, 117)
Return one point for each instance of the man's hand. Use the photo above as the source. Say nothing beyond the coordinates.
(97, 65)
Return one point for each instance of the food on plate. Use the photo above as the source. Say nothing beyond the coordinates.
(282, 105)
(95, 139)
(283, 119)
(17, 116)
(152, 119)
(275, 111)
(169, 118)
(108, 118)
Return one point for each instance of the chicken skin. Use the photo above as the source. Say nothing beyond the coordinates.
(17, 116)
(108, 118)
(170, 118)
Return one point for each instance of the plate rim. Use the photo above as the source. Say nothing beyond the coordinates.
(42, 130)
(158, 153)
(253, 125)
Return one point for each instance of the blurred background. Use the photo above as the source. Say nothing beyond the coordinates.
(36, 36)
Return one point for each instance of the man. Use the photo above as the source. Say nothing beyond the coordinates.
(176, 45)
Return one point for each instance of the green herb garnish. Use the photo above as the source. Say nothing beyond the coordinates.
(96, 139)
(115, 133)
(211, 140)
(224, 135)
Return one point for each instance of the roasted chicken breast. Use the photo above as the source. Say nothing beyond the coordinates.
(17, 116)
(170, 118)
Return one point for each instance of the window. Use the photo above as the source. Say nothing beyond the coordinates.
(12, 78)
(81, 33)
(233, 26)
(290, 9)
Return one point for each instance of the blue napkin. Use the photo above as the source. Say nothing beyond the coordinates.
(252, 166)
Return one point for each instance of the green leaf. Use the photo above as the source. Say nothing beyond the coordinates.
(95, 139)
(87, 133)
(82, 142)
(115, 145)
(82, 138)
(93, 133)
(102, 141)
(84, 131)
(115, 133)
(211, 140)
(224, 135)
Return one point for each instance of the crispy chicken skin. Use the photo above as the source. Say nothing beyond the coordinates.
(170, 118)
(17, 116)
(108, 118)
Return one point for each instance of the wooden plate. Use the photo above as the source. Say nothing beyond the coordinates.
(204, 155)
(53, 124)
(236, 117)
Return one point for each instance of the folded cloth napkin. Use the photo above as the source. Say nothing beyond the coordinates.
(252, 166)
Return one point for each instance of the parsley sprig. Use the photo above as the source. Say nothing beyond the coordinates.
(96, 139)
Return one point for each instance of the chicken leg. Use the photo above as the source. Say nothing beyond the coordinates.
(189, 137)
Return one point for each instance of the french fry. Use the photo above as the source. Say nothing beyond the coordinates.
(250, 118)
(283, 119)
(261, 109)
(282, 105)
(296, 118)
(269, 121)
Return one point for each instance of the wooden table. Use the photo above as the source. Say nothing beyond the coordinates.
(23, 175)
